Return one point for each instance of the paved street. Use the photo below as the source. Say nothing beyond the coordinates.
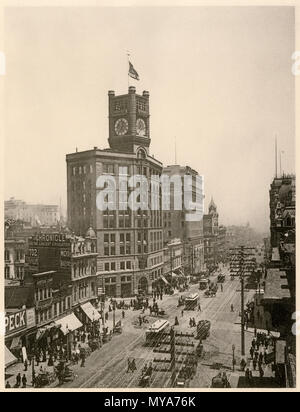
(106, 368)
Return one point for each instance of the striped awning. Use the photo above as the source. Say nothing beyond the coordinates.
(9, 357)
(68, 323)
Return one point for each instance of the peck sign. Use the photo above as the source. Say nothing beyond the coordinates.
(15, 321)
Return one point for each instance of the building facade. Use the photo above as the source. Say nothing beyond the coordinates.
(129, 242)
(35, 214)
(176, 224)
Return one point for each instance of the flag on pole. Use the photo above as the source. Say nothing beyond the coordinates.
(132, 72)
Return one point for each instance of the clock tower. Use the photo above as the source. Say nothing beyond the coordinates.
(128, 121)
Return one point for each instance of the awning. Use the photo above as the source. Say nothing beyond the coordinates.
(9, 357)
(41, 332)
(174, 275)
(165, 280)
(16, 342)
(68, 323)
(91, 312)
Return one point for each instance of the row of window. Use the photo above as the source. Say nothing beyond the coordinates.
(57, 309)
(114, 279)
(156, 260)
(112, 266)
(79, 170)
(18, 272)
(19, 255)
(111, 237)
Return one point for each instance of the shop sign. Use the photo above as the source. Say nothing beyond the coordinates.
(15, 322)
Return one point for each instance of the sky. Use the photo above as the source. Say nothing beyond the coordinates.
(220, 83)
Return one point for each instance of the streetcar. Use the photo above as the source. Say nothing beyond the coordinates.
(155, 333)
(191, 302)
(203, 284)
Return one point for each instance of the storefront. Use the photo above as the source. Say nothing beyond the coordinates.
(20, 330)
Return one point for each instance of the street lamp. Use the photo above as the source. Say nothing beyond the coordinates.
(114, 315)
(233, 357)
(67, 328)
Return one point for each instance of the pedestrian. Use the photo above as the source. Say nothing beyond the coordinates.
(176, 321)
(18, 380)
(7, 385)
(254, 364)
(123, 314)
(265, 357)
(133, 365)
(256, 356)
(232, 308)
(199, 308)
(261, 372)
(25, 365)
(194, 322)
(243, 364)
(247, 375)
(128, 365)
(251, 352)
(250, 378)
(182, 312)
(82, 360)
(221, 287)
(24, 381)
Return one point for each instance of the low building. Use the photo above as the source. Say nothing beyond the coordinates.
(34, 214)
(20, 320)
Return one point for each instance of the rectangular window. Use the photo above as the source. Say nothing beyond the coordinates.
(123, 170)
(106, 251)
(106, 267)
(106, 237)
(127, 237)
(113, 238)
(122, 265)
(108, 168)
(113, 265)
(128, 265)
(122, 237)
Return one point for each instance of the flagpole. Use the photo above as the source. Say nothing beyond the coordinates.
(128, 54)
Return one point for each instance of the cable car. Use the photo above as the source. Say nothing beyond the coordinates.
(156, 332)
(191, 302)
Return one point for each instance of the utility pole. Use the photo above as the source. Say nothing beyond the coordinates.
(241, 265)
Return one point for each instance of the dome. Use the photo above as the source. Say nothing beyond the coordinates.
(91, 233)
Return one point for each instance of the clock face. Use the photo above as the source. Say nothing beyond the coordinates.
(140, 127)
(121, 126)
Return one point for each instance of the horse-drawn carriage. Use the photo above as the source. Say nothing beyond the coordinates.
(210, 293)
(43, 379)
(118, 327)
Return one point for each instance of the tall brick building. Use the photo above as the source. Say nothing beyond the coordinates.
(176, 224)
(129, 243)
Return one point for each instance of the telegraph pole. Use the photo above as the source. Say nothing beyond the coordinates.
(240, 265)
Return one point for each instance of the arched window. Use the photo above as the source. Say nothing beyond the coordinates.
(141, 154)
